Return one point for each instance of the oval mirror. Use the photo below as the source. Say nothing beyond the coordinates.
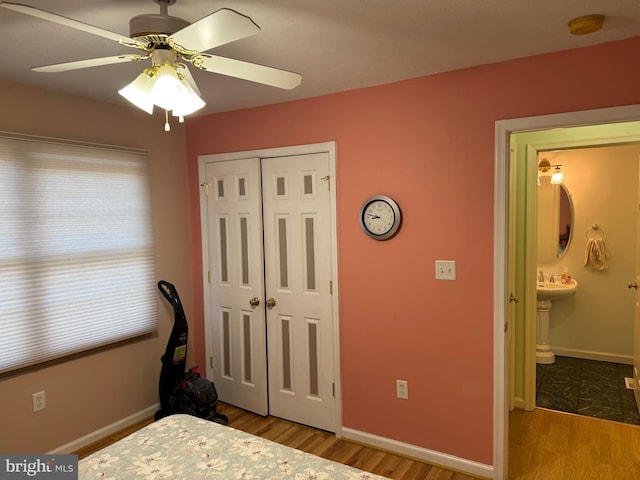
(555, 221)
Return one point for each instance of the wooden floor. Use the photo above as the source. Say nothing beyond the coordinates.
(543, 445)
(549, 445)
(319, 443)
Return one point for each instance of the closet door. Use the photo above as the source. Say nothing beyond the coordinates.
(297, 240)
(236, 283)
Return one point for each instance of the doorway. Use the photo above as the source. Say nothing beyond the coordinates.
(580, 327)
(511, 298)
(591, 331)
(269, 257)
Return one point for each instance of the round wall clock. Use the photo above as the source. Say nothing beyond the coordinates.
(380, 217)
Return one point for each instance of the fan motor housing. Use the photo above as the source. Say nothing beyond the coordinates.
(152, 24)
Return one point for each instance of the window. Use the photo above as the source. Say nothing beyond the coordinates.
(76, 248)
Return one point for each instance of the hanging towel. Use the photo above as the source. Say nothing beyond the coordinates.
(596, 254)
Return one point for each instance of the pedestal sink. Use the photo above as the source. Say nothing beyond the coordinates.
(546, 291)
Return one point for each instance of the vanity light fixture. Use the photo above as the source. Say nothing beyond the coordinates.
(165, 85)
(544, 167)
(557, 177)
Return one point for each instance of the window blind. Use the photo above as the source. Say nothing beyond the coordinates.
(77, 268)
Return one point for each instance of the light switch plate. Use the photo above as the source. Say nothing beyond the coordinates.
(445, 270)
(402, 389)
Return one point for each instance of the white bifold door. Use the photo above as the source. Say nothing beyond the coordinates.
(269, 281)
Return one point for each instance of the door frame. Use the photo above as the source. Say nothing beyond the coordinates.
(503, 131)
(295, 150)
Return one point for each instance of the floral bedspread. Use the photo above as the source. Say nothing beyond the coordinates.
(182, 447)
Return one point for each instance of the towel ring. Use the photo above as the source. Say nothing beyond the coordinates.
(594, 232)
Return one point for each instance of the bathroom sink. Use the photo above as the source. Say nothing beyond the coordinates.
(548, 292)
(554, 290)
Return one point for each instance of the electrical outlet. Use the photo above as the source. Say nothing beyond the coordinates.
(445, 270)
(402, 389)
(38, 401)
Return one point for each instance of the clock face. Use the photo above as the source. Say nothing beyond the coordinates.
(380, 217)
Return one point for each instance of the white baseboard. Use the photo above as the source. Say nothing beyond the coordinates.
(430, 456)
(106, 431)
(591, 355)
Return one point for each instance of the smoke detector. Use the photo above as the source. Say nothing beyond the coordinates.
(586, 24)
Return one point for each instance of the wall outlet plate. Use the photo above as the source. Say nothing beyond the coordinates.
(445, 270)
(38, 401)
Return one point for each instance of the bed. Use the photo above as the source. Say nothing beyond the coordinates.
(183, 447)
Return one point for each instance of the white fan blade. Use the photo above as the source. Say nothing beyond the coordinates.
(68, 22)
(220, 27)
(92, 62)
(248, 71)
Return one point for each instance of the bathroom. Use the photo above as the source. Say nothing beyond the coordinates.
(591, 332)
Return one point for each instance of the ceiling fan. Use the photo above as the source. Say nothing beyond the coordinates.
(171, 43)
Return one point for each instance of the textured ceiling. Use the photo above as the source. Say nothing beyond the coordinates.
(336, 45)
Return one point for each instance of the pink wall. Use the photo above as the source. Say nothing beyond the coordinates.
(429, 143)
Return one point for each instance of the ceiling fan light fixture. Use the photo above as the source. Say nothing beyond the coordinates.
(189, 103)
(138, 92)
(165, 87)
(168, 91)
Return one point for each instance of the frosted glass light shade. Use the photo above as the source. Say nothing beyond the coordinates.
(189, 103)
(138, 92)
(168, 91)
(557, 177)
(164, 88)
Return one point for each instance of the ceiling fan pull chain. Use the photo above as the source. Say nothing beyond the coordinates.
(167, 128)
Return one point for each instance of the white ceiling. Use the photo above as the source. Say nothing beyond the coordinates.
(336, 45)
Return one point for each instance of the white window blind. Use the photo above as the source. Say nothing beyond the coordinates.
(76, 249)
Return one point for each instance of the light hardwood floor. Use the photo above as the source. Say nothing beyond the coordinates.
(549, 445)
(544, 445)
(317, 442)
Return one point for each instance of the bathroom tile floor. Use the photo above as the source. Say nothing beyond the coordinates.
(587, 387)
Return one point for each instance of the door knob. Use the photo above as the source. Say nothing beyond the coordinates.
(632, 285)
(513, 299)
(254, 302)
(271, 303)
